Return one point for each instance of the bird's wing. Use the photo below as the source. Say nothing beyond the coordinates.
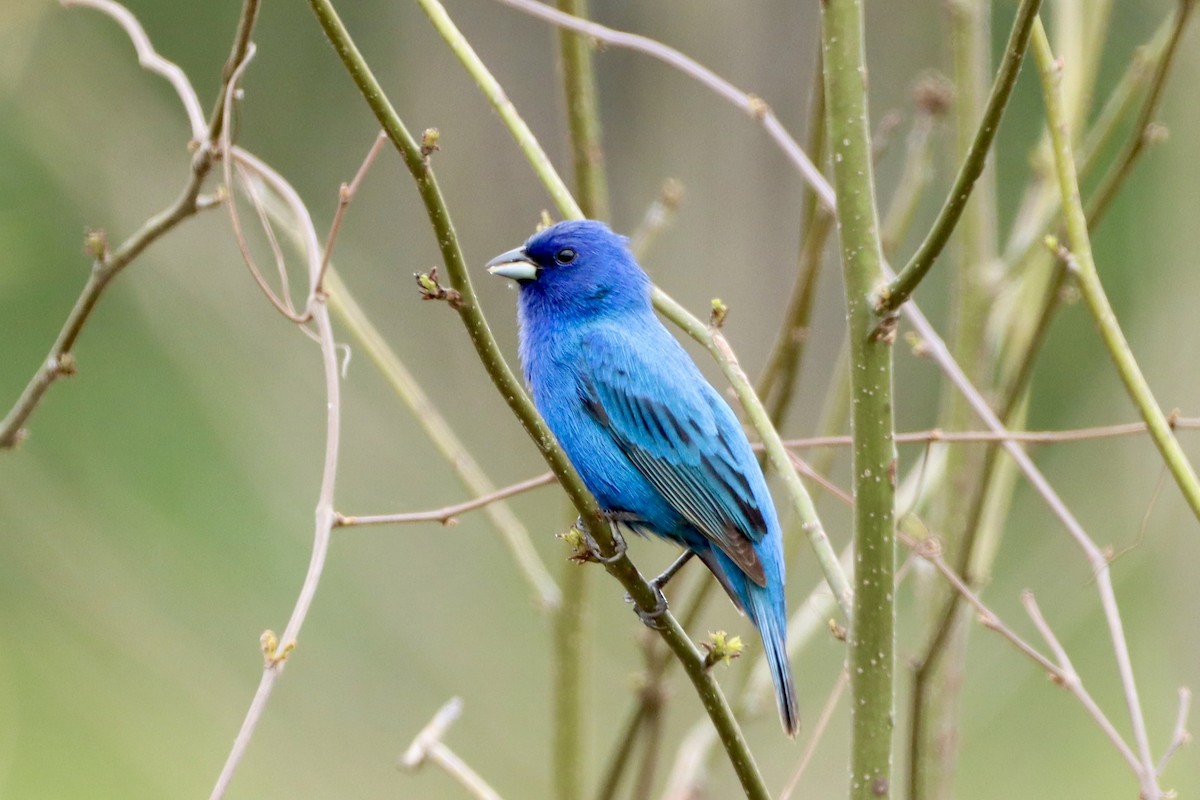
(667, 421)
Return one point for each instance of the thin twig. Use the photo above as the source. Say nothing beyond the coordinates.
(816, 477)
(1181, 735)
(283, 306)
(930, 550)
(447, 515)
(345, 195)
(251, 187)
(1069, 678)
(151, 61)
(428, 746)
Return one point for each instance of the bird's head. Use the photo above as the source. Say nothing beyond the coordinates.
(578, 266)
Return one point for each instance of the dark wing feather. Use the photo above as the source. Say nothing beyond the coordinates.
(666, 421)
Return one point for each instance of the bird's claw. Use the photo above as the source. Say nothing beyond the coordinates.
(593, 549)
(651, 619)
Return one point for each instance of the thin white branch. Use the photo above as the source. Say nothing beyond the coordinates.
(428, 746)
(1181, 734)
(1069, 678)
(252, 189)
(310, 242)
(151, 61)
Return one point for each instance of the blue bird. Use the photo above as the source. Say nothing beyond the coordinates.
(653, 441)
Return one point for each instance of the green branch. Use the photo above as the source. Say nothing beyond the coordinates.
(569, 666)
(617, 563)
(872, 628)
(777, 383)
(583, 117)
(895, 293)
(1082, 266)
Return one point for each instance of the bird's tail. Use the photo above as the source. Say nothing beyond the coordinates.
(767, 614)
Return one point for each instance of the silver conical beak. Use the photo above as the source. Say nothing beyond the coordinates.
(514, 265)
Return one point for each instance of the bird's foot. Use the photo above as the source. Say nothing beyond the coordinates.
(651, 619)
(592, 550)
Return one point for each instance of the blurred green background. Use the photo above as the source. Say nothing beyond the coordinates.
(159, 516)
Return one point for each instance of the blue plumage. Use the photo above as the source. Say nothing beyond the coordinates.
(651, 438)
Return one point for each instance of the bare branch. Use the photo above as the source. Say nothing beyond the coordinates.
(448, 514)
(428, 746)
(345, 195)
(151, 61)
(1181, 734)
(1069, 679)
(930, 550)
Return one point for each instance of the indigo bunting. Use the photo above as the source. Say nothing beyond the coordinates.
(652, 440)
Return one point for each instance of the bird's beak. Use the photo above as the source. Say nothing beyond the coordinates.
(514, 265)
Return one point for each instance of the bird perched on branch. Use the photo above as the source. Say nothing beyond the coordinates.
(653, 441)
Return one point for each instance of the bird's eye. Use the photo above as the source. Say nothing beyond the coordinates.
(565, 256)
